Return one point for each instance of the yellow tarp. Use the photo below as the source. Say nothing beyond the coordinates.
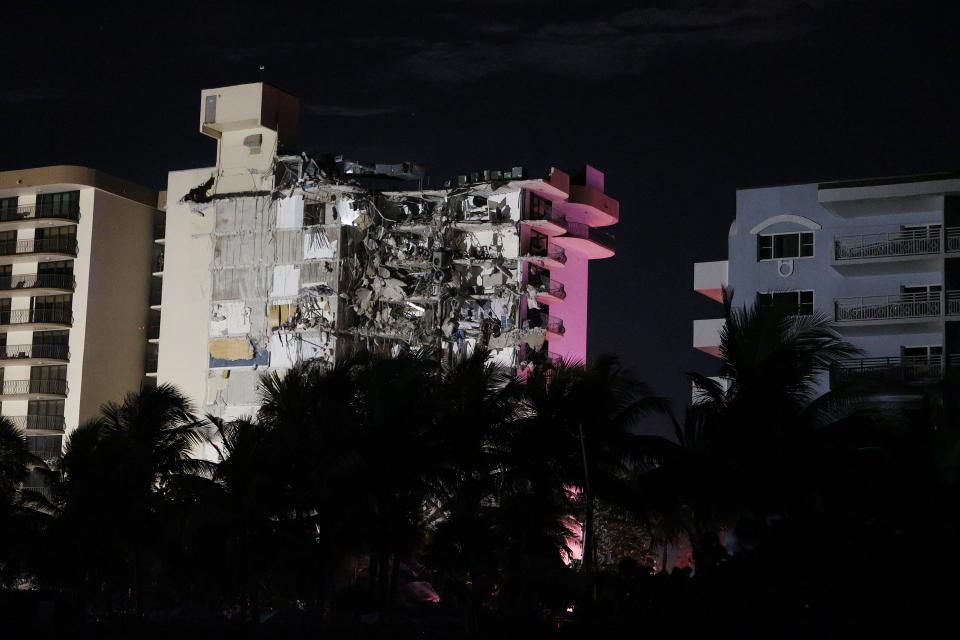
(231, 349)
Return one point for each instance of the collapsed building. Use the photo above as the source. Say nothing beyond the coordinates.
(271, 257)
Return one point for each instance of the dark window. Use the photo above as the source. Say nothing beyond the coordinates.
(796, 303)
(785, 245)
(51, 337)
(8, 242)
(540, 208)
(56, 205)
(58, 267)
(45, 407)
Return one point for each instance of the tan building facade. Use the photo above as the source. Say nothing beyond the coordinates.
(76, 256)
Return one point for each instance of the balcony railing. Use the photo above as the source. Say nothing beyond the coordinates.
(894, 307)
(45, 423)
(38, 281)
(30, 211)
(150, 363)
(153, 331)
(554, 325)
(600, 237)
(46, 492)
(953, 238)
(66, 246)
(551, 215)
(55, 315)
(892, 244)
(543, 250)
(19, 387)
(548, 286)
(26, 351)
(953, 303)
(892, 370)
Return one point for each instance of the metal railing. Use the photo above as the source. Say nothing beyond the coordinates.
(952, 235)
(953, 303)
(554, 325)
(549, 286)
(46, 492)
(552, 215)
(25, 351)
(904, 242)
(55, 315)
(553, 252)
(31, 211)
(38, 281)
(66, 246)
(18, 387)
(150, 363)
(44, 423)
(893, 307)
(902, 369)
(153, 331)
(603, 238)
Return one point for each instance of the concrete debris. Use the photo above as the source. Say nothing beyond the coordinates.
(321, 265)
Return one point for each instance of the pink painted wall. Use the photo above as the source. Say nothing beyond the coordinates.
(573, 310)
(574, 275)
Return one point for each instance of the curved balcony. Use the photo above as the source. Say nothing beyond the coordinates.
(36, 319)
(548, 256)
(555, 328)
(33, 216)
(549, 291)
(34, 354)
(53, 424)
(37, 250)
(598, 208)
(36, 284)
(549, 223)
(33, 390)
(594, 243)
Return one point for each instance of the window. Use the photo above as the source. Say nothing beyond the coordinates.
(785, 245)
(540, 208)
(922, 291)
(58, 267)
(53, 205)
(8, 208)
(8, 242)
(797, 303)
(927, 353)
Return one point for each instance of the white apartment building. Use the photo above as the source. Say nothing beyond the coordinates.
(75, 263)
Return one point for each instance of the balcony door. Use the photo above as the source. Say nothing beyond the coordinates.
(45, 414)
(62, 238)
(48, 379)
(56, 205)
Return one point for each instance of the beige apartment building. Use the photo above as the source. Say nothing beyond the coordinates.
(76, 257)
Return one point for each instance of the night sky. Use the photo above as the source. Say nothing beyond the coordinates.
(680, 103)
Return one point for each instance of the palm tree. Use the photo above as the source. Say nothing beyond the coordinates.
(477, 401)
(15, 461)
(312, 457)
(121, 468)
(588, 415)
(746, 447)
